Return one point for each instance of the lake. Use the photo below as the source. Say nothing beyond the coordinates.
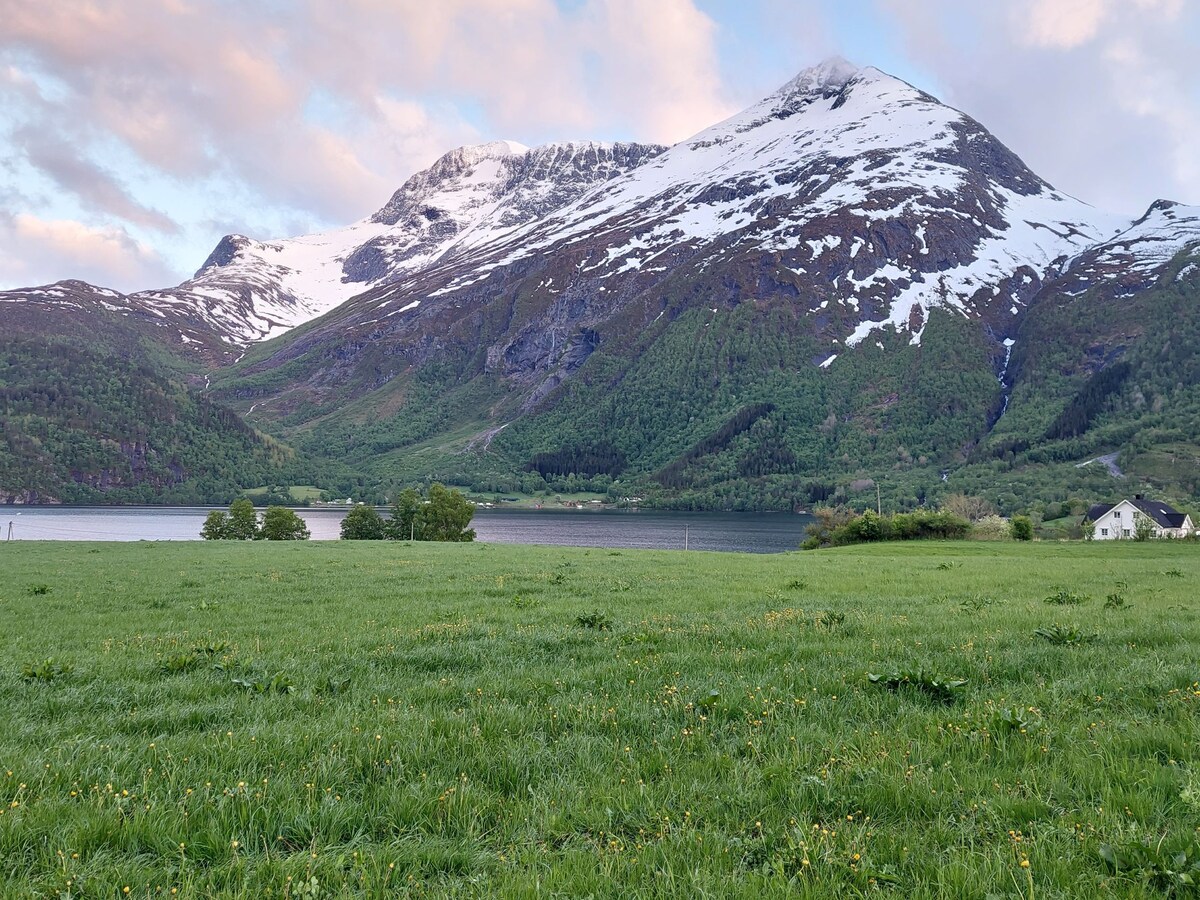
(644, 529)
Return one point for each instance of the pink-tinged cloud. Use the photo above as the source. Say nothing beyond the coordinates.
(97, 188)
(194, 89)
(38, 251)
(1098, 96)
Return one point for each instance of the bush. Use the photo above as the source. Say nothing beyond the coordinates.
(363, 523)
(1022, 528)
(991, 528)
(918, 525)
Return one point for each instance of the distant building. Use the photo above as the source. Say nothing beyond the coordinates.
(1120, 521)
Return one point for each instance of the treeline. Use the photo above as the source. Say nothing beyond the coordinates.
(1088, 402)
(675, 474)
(587, 461)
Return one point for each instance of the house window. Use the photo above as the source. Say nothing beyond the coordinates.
(1117, 514)
(1125, 532)
(1103, 532)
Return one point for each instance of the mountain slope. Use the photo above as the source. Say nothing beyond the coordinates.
(847, 283)
(252, 290)
(848, 204)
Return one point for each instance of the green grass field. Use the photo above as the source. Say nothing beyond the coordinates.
(461, 723)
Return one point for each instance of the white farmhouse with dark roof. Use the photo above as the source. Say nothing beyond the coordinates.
(1119, 521)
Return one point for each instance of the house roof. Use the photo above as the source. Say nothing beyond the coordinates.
(1163, 515)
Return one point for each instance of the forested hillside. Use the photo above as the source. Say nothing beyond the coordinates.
(80, 426)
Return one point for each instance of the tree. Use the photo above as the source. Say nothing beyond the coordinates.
(966, 507)
(446, 515)
(282, 524)
(243, 521)
(363, 523)
(216, 526)
(1022, 528)
(405, 523)
(443, 516)
(1143, 527)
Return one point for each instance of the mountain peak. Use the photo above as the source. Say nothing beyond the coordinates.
(833, 73)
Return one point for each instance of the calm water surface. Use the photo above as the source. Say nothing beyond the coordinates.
(649, 529)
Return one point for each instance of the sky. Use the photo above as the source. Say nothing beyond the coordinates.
(135, 133)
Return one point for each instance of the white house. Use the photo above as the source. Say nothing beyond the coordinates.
(1119, 521)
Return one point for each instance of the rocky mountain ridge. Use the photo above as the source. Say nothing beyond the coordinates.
(841, 272)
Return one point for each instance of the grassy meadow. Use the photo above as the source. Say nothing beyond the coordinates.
(352, 719)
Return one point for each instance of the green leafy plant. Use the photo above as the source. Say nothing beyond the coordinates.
(1022, 528)
(1063, 597)
(935, 686)
(279, 683)
(947, 566)
(1019, 719)
(334, 685)
(46, 670)
(976, 603)
(1062, 634)
(181, 662)
(1174, 573)
(1115, 600)
(38, 590)
(597, 620)
(216, 648)
(829, 619)
(1170, 872)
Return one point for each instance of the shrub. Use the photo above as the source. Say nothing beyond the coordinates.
(1022, 528)
(920, 524)
(991, 528)
(936, 687)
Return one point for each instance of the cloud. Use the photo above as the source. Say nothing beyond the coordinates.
(1098, 96)
(1061, 23)
(98, 188)
(205, 90)
(38, 251)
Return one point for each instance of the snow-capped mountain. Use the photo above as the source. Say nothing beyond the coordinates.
(869, 193)
(855, 198)
(252, 290)
(1134, 259)
(863, 196)
(848, 273)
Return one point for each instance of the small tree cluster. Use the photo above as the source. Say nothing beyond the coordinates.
(241, 523)
(870, 526)
(443, 515)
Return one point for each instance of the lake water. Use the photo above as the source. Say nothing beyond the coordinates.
(646, 529)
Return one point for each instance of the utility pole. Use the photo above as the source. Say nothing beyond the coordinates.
(878, 502)
(10, 530)
(685, 537)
